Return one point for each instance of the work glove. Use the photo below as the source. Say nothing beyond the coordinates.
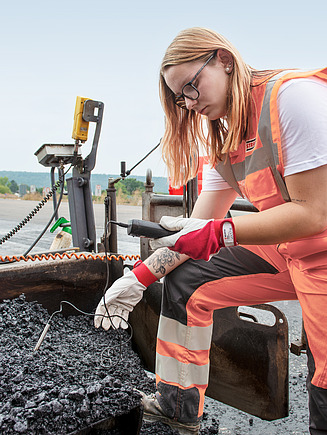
(120, 299)
(197, 238)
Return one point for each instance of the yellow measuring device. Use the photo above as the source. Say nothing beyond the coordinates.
(81, 127)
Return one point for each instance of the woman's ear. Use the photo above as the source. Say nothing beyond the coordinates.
(226, 59)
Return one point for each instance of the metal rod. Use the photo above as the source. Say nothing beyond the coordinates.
(42, 336)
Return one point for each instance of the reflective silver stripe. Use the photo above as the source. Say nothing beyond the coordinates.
(191, 337)
(265, 134)
(224, 168)
(261, 158)
(253, 163)
(171, 370)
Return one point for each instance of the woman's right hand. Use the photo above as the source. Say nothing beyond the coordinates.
(118, 301)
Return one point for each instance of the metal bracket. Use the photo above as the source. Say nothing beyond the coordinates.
(93, 112)
(298, 347)
(51, 155)
(79, 186)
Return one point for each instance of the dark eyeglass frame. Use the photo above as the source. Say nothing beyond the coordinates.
(180, 98)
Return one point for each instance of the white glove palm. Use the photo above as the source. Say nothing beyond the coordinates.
(180, 224)
(120, 299)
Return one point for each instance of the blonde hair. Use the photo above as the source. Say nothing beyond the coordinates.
(184, 130)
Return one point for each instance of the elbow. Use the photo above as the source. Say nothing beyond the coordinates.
(310, 223)
(319, 222)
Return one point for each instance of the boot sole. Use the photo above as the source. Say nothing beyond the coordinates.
(182, 428)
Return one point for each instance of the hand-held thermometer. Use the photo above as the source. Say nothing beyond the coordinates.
(139, 228)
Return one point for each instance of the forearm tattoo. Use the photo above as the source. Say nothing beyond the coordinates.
(163, 258)
(298, 200)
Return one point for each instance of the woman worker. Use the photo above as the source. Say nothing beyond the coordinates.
(267, 141)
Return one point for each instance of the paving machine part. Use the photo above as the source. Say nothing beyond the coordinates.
(81, 281)
(79, 185)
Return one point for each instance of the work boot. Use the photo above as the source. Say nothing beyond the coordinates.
(153, 412)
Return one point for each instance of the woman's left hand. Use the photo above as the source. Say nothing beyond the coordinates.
(197, 238)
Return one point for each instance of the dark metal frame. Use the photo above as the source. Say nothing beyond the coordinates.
(79, 186)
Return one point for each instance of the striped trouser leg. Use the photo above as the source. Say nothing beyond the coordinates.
(309, 275)
(235, 276)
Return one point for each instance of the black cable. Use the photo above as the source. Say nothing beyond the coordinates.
(105, 360)
(30, 215)
(60, 182)
(54, 197)
(33, 212)
(130, 170)
(106, 308)
(54, 214)
(102, 356)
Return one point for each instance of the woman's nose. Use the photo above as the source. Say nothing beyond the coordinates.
(189, 103)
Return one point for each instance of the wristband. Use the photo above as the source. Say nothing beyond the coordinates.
(144, 275)
(226, 232)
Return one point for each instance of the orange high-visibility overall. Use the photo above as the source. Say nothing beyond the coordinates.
(243, 275)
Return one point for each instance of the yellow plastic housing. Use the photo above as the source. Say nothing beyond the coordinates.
(81, 127)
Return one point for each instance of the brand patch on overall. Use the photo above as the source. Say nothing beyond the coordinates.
(249, 145)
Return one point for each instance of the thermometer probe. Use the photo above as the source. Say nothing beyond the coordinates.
(140, 228)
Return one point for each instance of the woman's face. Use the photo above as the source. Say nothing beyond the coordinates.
(212, 84)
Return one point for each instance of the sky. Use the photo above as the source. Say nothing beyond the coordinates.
(111, 51)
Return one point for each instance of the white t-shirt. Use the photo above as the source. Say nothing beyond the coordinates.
(302, 107)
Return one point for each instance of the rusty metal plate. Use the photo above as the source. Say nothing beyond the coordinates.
(249, 363)
(48, 282)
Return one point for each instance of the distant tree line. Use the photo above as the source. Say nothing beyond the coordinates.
(42, 179)
(7, 186)
(129, 186)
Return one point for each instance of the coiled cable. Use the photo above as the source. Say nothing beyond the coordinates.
(61, 183)
(61, 256)
(36, 209)
(30, 215)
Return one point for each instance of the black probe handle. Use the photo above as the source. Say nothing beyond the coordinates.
(152, 230)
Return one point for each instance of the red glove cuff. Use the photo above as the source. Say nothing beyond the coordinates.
(143, 274)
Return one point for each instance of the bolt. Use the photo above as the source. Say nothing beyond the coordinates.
(87, 243)
(81, 181)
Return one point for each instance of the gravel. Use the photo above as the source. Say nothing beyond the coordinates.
(63, 387)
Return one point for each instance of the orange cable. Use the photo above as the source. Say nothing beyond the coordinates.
(65, 254)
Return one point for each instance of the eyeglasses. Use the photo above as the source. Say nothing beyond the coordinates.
(189, 90)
